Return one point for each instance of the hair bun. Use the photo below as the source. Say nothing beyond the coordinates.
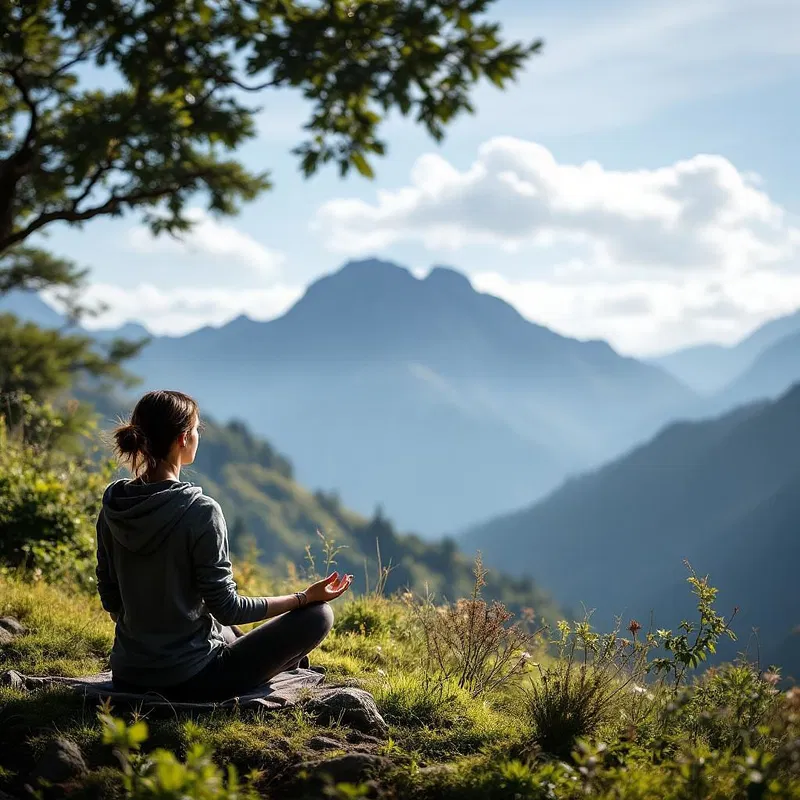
(130, 439)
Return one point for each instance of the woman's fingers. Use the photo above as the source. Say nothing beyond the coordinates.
(341, 587)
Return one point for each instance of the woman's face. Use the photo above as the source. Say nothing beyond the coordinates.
(189, 442)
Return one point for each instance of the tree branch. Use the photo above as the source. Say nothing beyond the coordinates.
(34, 114)
(110, 206)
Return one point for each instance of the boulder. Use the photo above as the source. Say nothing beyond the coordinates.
(13, 680)
(350, 768)
(13, 626)
(61, 761)
(353, 708)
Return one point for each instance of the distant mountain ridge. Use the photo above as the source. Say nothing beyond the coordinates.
(724, 493)
(710, 368)
(441, 403)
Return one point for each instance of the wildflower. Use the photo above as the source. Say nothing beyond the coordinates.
(634, 627)
(772, 678)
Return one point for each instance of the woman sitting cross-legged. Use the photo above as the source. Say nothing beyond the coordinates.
(164, 575)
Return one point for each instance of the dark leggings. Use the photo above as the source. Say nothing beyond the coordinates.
(245, 662)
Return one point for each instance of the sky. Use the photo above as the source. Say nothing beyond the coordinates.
(639, 183)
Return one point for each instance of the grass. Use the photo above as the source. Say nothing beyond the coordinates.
(372, 646)
(444, 744)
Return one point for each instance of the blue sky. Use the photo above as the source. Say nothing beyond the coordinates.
(639, 183)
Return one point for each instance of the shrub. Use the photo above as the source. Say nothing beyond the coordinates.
(48, 506)
(471, 643)
(576, 693)
(729, 707)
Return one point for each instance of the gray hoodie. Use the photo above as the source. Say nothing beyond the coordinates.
(163, 566)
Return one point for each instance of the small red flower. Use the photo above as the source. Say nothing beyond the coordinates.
(634, 627)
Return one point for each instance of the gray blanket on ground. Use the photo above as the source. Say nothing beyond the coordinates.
(286, 689)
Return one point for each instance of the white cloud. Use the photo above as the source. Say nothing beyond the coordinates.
(183, 309)
(209, 239)
(701, 213)
(648, 317)
(692, 250)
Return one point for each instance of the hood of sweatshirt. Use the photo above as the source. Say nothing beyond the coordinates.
(140, 516)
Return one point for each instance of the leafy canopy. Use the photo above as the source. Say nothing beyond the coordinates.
(111, 105)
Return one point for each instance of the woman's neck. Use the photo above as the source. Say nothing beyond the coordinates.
(164, 471)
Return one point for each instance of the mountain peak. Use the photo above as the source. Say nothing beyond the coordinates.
(449, 279)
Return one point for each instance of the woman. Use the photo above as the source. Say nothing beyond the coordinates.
(164, 575)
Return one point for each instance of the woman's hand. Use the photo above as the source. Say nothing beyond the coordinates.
(328, 588)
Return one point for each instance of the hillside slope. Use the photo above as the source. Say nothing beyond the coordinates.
(722, 493)
(441, 403)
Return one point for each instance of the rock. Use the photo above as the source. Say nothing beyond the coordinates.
(13, 626)
(6, 637)
(356, 737)
(13, 680)
(61, 761)
(324, 743)
(350, 768)
(353, 708)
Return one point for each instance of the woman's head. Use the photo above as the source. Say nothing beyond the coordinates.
(164, 426)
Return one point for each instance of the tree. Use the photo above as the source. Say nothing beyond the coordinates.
(116, 105)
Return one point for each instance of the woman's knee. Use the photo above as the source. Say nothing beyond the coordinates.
(320, 616)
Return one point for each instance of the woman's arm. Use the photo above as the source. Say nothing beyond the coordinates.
(214, 575)
(107, 586)
(320, 592)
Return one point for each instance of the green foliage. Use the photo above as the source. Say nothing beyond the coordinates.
(48, 506)
(728, 708)
(179, 75)
(160, 774)
(696, 640)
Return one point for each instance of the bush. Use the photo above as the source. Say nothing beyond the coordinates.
(48, 507)
(578, 692)
(471, 643)
(729, 707)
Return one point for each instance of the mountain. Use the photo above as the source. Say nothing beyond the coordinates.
(723, 493)
(30, 307)
(441, 403)
(263, 502)
(709, 368)
(772, 373)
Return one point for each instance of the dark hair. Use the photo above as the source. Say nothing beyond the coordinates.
(158, 419)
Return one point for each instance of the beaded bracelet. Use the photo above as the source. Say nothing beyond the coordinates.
(302, 599)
